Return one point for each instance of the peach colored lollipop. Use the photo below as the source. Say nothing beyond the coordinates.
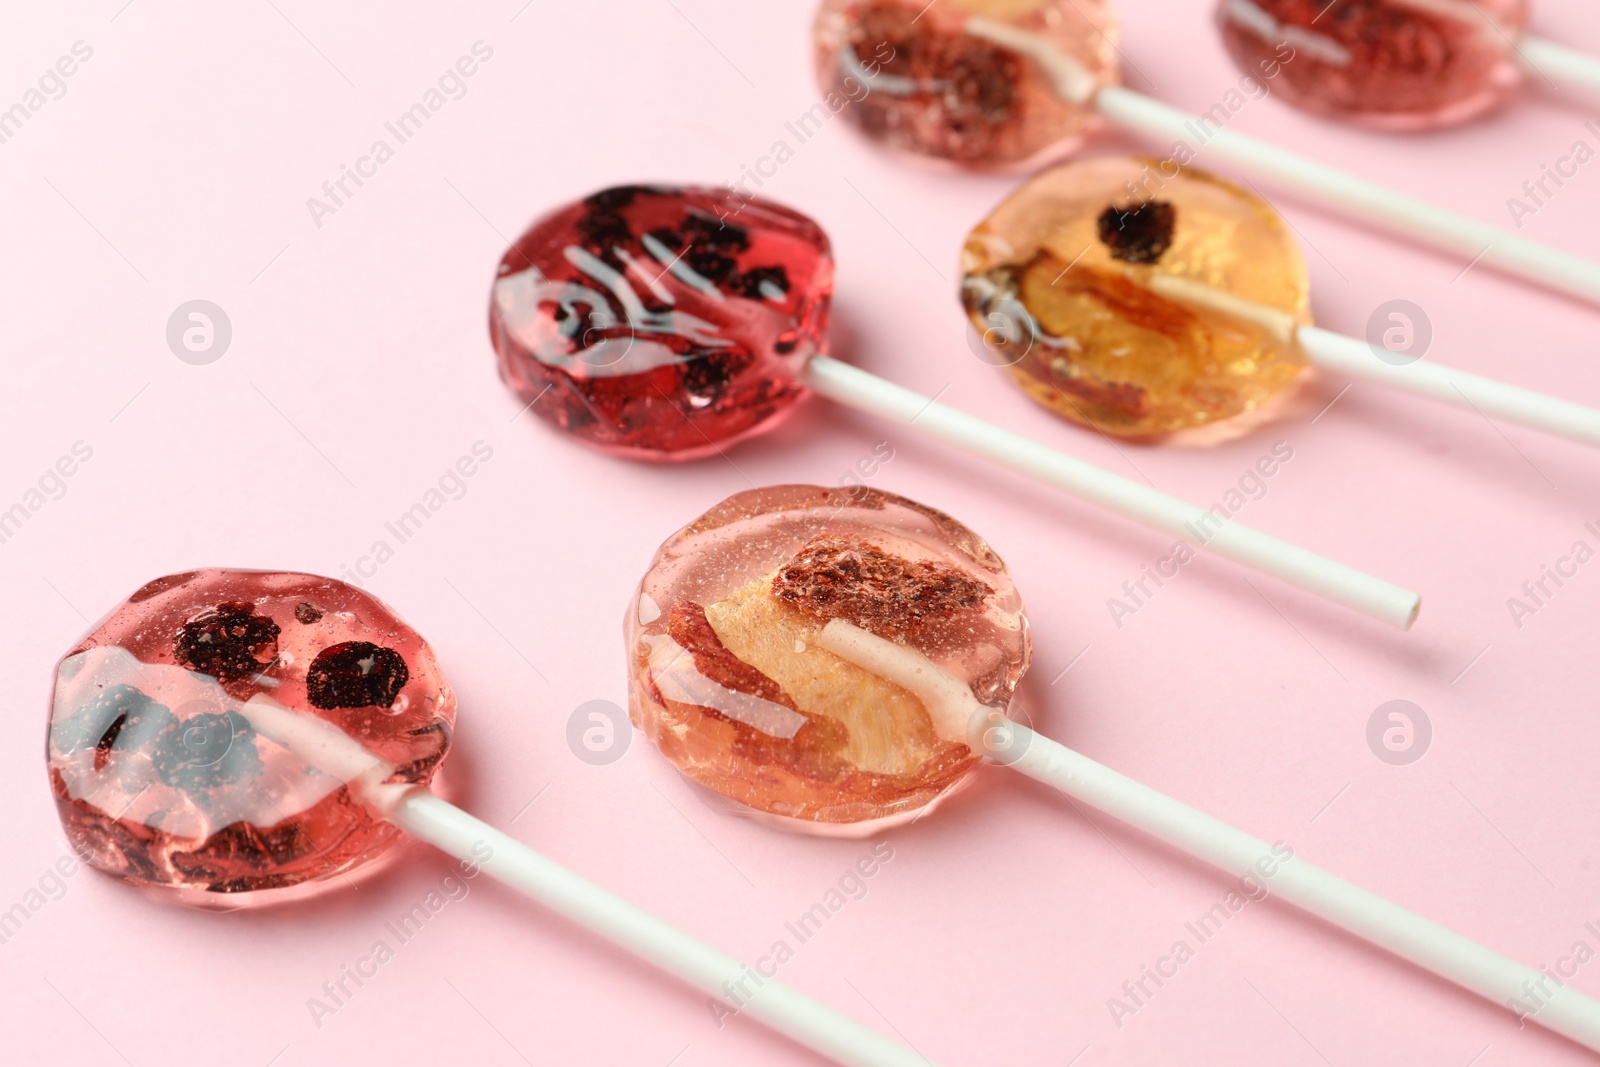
(836, 661)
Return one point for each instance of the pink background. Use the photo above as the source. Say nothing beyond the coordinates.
(177, 166)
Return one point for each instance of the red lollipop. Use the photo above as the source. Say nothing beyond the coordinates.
(1399, 64)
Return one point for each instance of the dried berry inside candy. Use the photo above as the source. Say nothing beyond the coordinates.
(229, 642)
(1139, 234)
(851, 579)
(909, 75)
(662, 323)
(732, 685)
(356, 674)
(1088, 331)
(162, 779)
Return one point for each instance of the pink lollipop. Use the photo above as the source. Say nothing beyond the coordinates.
(838, 661)
(1398, 64)
(228, 738)
(970, 82)
(664, 323)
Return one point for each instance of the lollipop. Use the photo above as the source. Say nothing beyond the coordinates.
(838, 661)
(1177, 307)
(1007, 82)
(1398, 64)
(229, 738)
(665, 324)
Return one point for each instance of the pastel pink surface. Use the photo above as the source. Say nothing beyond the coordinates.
(177, 165)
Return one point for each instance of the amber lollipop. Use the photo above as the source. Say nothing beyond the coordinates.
(1145, 310)
(230, 738)
(840, 661)
(986, 83)
(664, 323)
(1399, 64)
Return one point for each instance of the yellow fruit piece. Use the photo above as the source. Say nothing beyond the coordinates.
(890, 731)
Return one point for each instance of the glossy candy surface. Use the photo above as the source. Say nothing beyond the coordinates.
(662, 323)
(1393, 64)
(729, 682)
(1057, 281)
(159, 776)
(908, 75)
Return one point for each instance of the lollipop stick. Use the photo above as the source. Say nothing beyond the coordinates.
(841, 1039)
(472, 841)
(1348, 355)
(1351, 356)
(1297, 566)
(1418, 219)
(957, 715)
(1559, 63)
(1425, 943)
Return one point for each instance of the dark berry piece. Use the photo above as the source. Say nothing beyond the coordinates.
(307, 613)
(614, 199)
(716, 234)
(208, 750)
(707, 375)
(356, 674)
(601, 232)
(228, 642)
(748, 284)
(1142, 235)
(847, 578)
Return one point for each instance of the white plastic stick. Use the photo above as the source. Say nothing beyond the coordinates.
(1430, 946)
(1348, 355)
(741, 989)
(1560, 63)
(1196, 525)
(1474, 241)
(717, 975)
(1408, 935)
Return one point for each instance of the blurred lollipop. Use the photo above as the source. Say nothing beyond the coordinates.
(229, 738)
(1143, 309)
(662, 323)
(838, 662)
(1398, 64)
(985, 83)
